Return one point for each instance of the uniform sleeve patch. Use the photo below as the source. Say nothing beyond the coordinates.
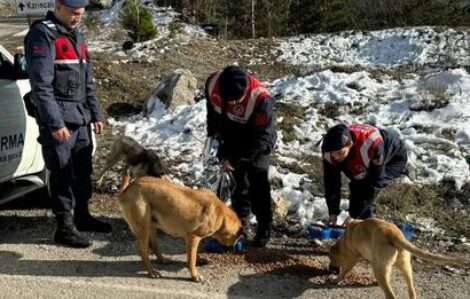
(261, 119)
(40, 50)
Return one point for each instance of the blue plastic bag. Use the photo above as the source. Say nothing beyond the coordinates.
(213, 246)
(406, 229)
(323, 232)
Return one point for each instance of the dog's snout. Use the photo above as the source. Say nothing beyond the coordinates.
(333, 269)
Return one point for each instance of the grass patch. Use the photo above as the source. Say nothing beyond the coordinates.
(348, 69)
(176, 28)
(330, 110)
(312, 166)
(398, 200)
(430, 201)
(309, 165)
(423, 129)
(292, 116)
(449, 134)
(355, 86)
(435, 96)
(399, 73)
(91, 22)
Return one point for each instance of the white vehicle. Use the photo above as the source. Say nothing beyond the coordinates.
(22, 168)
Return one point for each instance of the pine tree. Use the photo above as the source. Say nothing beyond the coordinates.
(137, 20)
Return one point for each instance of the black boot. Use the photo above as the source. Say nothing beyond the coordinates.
(262, 237)
(67, 234)
(87, 223)
(247, 231)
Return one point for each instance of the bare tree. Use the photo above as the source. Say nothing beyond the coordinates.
(253, 22)
(276, 15)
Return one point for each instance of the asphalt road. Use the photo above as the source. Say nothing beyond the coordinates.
(9, 26)
(32, 266)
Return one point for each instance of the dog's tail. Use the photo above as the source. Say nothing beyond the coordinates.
(125, 181)
(400, 242)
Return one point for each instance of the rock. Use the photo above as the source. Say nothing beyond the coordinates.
(154, 107)
(294, 229)
(127, 45)
(280, 208)
(317, 243)
(177, 89)
(464, 247)
(454, 270)
(104, 3)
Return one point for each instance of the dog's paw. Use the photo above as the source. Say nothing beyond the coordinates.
(198, 278)
(154, 274)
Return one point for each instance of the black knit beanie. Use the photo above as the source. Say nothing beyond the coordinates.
(233, 83)
(336, 138)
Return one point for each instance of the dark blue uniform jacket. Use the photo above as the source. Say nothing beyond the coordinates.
(60, 74)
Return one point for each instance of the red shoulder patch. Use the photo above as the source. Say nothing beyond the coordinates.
(261, 119)
(40, 50)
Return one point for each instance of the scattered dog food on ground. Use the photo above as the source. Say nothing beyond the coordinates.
(279, 262)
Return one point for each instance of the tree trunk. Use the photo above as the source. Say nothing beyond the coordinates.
(226, 19)
(253, 23)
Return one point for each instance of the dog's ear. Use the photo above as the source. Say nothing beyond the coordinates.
(156, 166)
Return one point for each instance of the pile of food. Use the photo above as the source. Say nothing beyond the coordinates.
(275, 261)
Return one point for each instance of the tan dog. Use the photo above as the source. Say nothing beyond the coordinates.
(149, 203)
(384, 246)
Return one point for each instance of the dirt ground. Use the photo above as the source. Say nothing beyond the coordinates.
(33, 267)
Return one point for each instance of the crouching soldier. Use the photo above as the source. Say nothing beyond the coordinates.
(66, 103)
(240, 115)
(370, 157)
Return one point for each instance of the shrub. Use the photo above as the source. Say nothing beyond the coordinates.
(176, 28)
(91, 21)
(330, 110)
(429, 201)
(137, 20)
(292, 116)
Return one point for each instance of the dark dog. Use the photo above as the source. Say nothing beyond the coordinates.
(141, 161)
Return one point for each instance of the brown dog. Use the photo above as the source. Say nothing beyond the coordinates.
(149, 203)
(384, 246)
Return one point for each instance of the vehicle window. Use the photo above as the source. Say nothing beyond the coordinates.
(6, 68)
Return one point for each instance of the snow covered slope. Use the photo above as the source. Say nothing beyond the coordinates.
(411, 80)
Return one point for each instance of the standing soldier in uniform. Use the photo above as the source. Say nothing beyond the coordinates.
(64, 95)
(240, 116)
(370, 157)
